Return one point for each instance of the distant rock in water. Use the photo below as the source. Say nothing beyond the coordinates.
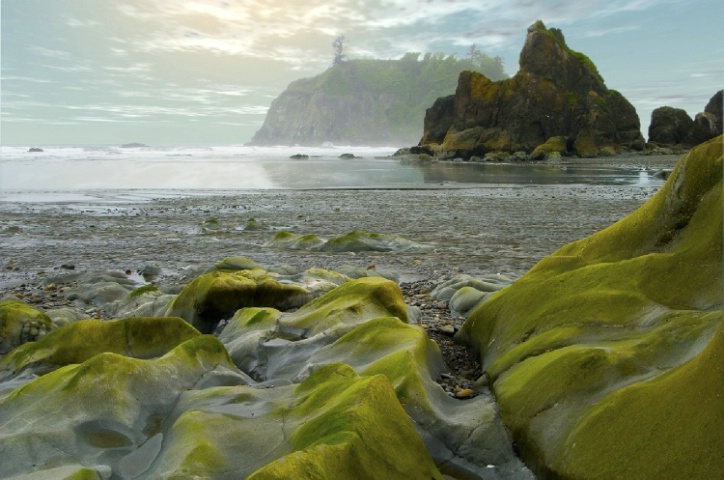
(299, 156)
(366, 102)
(672, 127)
(557, 92)
(35, 150)
(133, 145)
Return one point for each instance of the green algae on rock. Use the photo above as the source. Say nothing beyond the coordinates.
(294, 241)
(363, 324)
(348, 424)
(341, 379)
(79, 341)
(612, 344)
(21, 323)
(359, 241)
(354, 241)
(104, 408)
(217, 295)
(557, 93)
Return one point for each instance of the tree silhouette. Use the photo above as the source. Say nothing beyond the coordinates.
(338, 46)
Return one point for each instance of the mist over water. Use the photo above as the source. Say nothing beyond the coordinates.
(73, 169)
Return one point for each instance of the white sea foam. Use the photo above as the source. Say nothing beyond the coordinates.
(172, 167)
(239, 167)
(15, 153)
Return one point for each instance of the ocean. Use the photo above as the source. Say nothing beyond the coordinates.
(72, 170)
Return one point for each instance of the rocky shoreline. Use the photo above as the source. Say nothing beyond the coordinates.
(168, 241)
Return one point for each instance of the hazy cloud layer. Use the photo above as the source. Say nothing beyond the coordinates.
(220, 63)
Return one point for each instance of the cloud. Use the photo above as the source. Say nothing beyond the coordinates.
(132, 68)
(299, 33)
(610, 31)
(51, 53)
(108, 112)
(13, 78)
(75, 22)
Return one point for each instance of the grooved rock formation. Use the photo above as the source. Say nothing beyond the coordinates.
(557, 92)
(673, 127)
(607, 357)
(342, 387)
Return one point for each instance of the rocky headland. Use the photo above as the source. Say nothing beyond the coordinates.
(603, 360)
(366, 102)
(556, 105)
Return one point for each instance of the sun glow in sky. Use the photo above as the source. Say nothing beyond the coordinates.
(175, 72)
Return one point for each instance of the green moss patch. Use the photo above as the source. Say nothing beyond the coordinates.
(217, 295)
(294, 241)
(351, 303)
(584, 348)
(669, 427)
(350, 422)
(79, 341)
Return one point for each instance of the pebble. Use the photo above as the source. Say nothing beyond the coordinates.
(447, 329)
(465, 393)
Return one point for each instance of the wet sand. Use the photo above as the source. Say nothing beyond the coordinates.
(478, 231)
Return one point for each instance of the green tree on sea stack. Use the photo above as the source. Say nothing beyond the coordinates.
(338, 46)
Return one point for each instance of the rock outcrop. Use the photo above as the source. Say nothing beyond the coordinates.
(344, 387)
(557, 92)
(365, 102)
(607, 357)
(673, 127)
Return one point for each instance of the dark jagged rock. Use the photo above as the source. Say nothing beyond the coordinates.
(35, 150)
(716, 108)
(556, 93)
(134, 145)
(670, 126)
(673, 127)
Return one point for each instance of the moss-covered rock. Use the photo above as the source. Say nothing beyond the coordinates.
(294, 241)
(189, 414)
(354, 241)
(359, 241)
(84, 339)
(349, 424)
(218, 295)
(21, 323)
(103, 411)
(552, 147)
(339, 381)
(363, 324)
(145, 301)
(354, 301)
(237, 263)
(557, 93)
(584, 347)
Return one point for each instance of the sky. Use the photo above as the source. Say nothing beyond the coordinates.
(204, 72)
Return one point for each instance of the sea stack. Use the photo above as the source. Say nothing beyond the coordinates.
(556, 95)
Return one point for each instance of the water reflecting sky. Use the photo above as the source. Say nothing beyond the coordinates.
(209, 169)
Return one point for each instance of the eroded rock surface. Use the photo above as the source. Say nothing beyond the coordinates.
(323, 391)
(606, 357)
